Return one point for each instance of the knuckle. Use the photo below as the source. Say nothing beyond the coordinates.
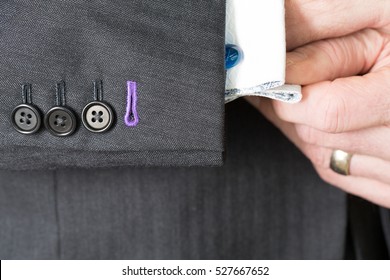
(385, 115)
(333, 52)
(333, 114)
(321, 173)
(308, 135)
(318, 156)
(324, 175)
(281, 111)
(379, 102)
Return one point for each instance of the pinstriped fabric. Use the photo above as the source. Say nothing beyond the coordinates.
(28, 222)
(244, 210)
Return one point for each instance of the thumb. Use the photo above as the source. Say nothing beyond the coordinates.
(330, 59)
(312, 20)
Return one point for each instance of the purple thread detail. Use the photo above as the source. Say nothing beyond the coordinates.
(131, 117)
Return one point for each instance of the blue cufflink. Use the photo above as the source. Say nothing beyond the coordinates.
(233, 56)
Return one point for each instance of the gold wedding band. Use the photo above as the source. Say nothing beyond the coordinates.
(340, 162)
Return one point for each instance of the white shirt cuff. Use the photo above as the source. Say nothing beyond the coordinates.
(258, 28)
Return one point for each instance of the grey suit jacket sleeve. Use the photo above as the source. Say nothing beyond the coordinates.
(172, 50)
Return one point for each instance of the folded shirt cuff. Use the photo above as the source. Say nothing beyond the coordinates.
(258, 28)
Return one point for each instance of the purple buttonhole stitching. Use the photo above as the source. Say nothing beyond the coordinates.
(131, 117)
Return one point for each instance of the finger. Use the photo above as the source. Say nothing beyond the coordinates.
(360, 166)
(374, 191)
(318, 146)
(308, 20)
(370, 167)
(327, 60)
(371, 142)
(371, 157)
(319, 156)
(367, 179)
(343, 105)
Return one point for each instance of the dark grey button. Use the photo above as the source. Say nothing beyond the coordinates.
(26, 119)
(60, 121)
(97, 116)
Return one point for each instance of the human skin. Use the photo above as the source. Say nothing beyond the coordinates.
(340, 52)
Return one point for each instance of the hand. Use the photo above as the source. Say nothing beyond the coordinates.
(341, 56)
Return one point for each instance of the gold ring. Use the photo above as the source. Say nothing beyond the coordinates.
(340, 162)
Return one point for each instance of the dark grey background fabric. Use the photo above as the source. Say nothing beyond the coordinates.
(28, 222)
(266, 203)
(173, 49)
(385, 217)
